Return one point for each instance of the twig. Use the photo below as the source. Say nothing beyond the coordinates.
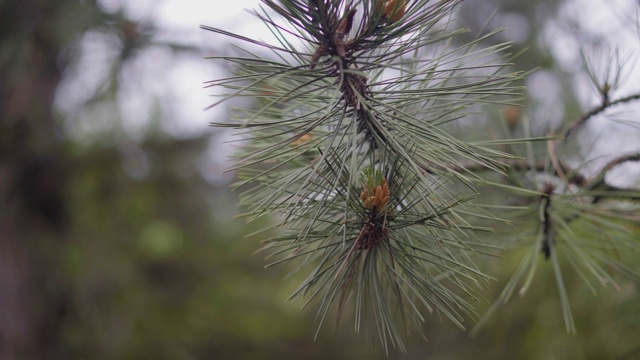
(545, 220)
(574, 177)
(598, 179)
(551, 147)
(595, 111)
(516, 164)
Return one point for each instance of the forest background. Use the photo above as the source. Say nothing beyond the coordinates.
(117, 230)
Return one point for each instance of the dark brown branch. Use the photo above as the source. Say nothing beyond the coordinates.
(607, 191)
(573, 176)
(599, 179)
(545, 220)
(615, 162)
(595, 111)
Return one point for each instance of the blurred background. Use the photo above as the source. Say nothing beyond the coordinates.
(117, 231)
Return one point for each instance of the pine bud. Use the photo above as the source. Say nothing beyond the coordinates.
(392, 10)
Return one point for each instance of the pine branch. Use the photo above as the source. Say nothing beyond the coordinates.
(597, 110)
(574, 177)
(599, 178)
(336, 146)
(375, 199)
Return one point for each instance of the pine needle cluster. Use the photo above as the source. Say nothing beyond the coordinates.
(349, 147)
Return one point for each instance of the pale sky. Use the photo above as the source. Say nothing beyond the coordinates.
(159, 72)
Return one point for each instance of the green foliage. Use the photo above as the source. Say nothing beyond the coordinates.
(363, 94)
(350, 146)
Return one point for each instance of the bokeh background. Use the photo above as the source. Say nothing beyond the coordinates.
(118, 237)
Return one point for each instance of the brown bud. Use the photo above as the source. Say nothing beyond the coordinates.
(305, 138)
(365, 195)
(392, 10)
(511, 115)
(378, 196)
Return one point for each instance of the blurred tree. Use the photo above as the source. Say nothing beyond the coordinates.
(71, 213)
(34, 35)
(116, 246)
